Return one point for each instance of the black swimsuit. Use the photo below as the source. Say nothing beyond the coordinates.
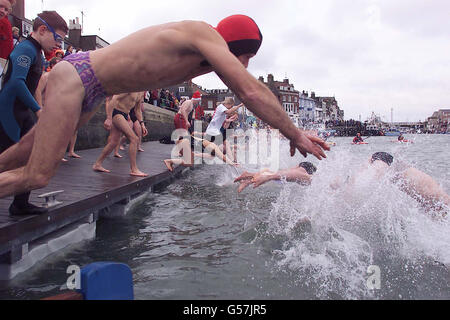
(116, 112)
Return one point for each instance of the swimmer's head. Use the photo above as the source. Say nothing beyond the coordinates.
(308, 166)
(196, 98)
(382, 156)
(241, 33)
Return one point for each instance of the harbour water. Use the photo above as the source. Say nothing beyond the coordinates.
(199, 239)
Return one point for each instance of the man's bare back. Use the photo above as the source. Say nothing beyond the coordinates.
(157, 57)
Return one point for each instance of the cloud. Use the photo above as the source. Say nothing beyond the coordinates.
(373, 55)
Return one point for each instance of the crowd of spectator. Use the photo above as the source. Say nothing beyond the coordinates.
(347, 124)
(163, 98)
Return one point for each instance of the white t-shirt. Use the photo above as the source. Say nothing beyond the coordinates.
(217, 121)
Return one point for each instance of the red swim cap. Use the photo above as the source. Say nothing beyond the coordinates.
(241, 34)
(196, 95)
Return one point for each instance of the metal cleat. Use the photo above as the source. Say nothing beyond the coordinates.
(50, 198)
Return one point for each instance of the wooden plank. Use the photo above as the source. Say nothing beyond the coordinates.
(85, 191)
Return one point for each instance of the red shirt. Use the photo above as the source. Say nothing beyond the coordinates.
(6, 38)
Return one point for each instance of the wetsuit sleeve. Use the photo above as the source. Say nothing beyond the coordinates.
(21, 60)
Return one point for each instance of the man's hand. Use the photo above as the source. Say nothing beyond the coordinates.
(107, 124)
(259, 179)
(144, 130)
(38, 113)
(245, 176)
(309, 144)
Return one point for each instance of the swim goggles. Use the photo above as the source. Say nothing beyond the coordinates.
(56, 36)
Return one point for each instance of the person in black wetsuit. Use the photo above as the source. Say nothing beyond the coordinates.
(16, 97)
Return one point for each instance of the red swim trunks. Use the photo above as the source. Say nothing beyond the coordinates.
(180, 122)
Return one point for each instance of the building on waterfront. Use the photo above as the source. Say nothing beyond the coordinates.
(307, 109)
(85, 43)
(286, 94)
(439, 122)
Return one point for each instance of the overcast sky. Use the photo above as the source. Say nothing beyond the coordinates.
(372, 55)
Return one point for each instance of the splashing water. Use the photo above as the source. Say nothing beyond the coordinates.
(330, 232)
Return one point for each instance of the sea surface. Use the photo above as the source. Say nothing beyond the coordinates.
(199, 239)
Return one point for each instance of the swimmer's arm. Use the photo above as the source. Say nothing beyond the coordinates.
(290, 175)
(109, 107)
(187, 105)
(40, 88)
(233, 110)
(138, 109)
(254, 94)
(22, 60)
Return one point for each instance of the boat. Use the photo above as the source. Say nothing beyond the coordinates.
(392, 133)
(403, 141)
(360, 143)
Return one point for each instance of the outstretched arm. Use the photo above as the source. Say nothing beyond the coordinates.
(295, 174)
(109, 107)
(139, 115)
(255, 95)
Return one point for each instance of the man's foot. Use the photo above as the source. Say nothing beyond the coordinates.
(122, 147)
(141, 150)
(28, 209)
(117, 155)
(138, 173)
(169, 165)
(74, 155)
(64, 160)
(99, 168)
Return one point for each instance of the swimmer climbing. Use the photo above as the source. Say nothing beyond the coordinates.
(154, 57)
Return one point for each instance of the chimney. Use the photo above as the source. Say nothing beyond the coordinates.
(313, 94)
(286, 81)
(270, 78)
(261, 78)
(75, 32)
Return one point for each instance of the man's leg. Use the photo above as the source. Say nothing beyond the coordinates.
(65, 93)
(113, 142)
(124, 127)
(18, 154)
(211, 146)
(138, 130)
(119, 146)
(73, 141)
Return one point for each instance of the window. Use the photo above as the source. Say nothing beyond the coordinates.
(181, 89)
(284, 98)
(210, 104)
(289, 98)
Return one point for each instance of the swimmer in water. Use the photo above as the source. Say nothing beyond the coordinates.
(301, 174)
(154, 57)
(185, 148)
(419, 185)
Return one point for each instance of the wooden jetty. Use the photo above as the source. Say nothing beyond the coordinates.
(87, 196)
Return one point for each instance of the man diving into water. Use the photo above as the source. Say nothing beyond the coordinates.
(154, 57)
